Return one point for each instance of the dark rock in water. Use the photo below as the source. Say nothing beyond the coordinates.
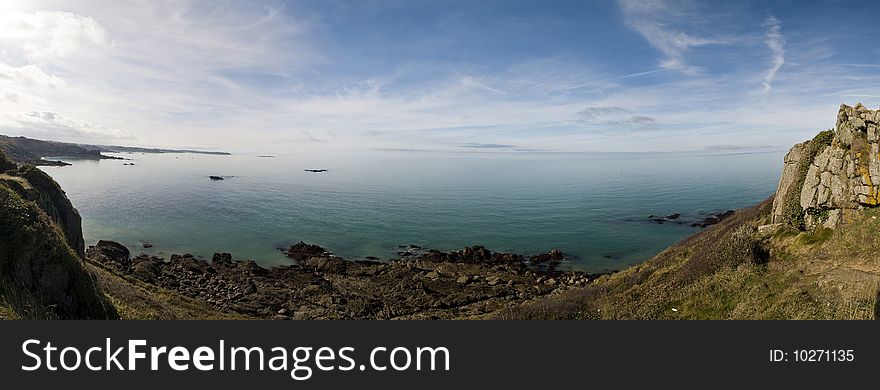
(714, 218)
(302, 251)
(553, 257)
(215, 177)
(110, 253)
(372, 258)
(146, 244)
(669, 218)
(316, 170)
(266, 156)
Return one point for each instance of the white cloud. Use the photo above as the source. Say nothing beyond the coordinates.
(29, 76)
(55, 126)
(658, 21)
(26, 84)
(775, 42)
(46, 34)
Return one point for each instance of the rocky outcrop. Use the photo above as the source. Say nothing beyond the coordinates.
(434, 284)
(826, 181)
(41, 271)
(53, 201)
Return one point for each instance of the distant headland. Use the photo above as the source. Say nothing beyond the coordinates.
(34, 151)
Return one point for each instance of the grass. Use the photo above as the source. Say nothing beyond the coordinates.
(726, 272)
(21, 181)
(136, 300)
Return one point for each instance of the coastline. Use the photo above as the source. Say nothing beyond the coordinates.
(470, 283)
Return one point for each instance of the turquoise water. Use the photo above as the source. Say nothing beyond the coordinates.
(595, 208)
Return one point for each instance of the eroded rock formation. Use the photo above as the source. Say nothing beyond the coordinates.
(826, 180)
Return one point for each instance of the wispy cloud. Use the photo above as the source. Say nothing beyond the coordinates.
(660, 22)
(775, 42)
(275, 76)
(488, 146)
(615, 117)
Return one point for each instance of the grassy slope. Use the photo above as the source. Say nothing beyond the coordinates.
(136, 300)
(727, 272)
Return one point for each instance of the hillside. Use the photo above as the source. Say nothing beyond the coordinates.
(42, 274)
(32, 151)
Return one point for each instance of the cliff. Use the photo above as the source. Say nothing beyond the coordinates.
(42, 273)
(829, 179)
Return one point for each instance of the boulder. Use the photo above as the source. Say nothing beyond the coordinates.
(302, 251)
(110, 253)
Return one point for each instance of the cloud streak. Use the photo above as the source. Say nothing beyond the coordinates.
(658, 22)
(775, 42)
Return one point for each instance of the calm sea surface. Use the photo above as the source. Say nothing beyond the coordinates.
(595, 208)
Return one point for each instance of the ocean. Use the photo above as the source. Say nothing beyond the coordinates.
(595, 208)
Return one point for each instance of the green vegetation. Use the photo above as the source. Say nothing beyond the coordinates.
(727, 272)
(40, 275)
(794, 213)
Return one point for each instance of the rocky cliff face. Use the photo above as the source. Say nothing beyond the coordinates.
(828, 179)
(41, 249)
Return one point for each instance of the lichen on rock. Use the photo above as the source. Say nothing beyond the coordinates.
(829, 178)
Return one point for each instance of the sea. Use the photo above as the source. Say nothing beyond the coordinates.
(594, 207)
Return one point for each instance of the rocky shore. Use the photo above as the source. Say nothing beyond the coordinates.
(426, 284)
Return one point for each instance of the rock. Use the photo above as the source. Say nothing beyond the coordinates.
(215, 177)
(333, 265)
(493, 281)
(787, 180)
(146, 244)
(827, 179)
(282, 311)
(766, 230)
(555, 256)
(110, 253)
(301, 251)
(714, 219)
(668, 218)
(464, 279)
(315, 170)
(221, 258)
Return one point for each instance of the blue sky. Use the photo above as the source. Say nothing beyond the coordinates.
(488, 76)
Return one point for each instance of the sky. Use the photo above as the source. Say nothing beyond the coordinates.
(435, 76)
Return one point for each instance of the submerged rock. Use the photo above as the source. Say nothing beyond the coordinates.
(215, 177)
